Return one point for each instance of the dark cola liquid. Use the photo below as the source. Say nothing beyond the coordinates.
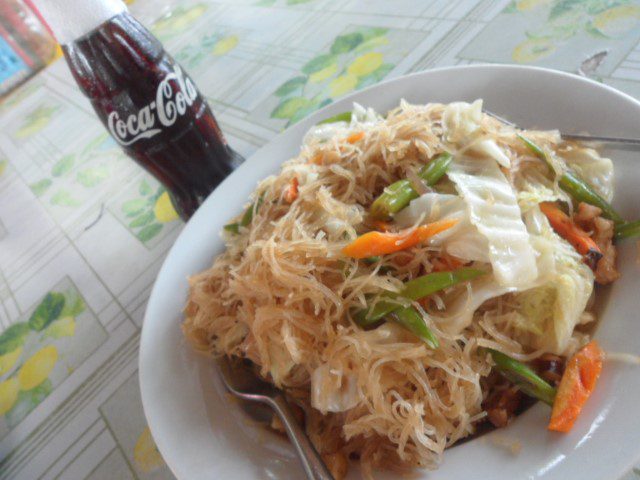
(153, 109)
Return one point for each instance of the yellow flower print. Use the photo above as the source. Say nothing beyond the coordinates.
(533, 49)
(365, 64)
(37, 368)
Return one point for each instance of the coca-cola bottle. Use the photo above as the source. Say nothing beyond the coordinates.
(147, 102)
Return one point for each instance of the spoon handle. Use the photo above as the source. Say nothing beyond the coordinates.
(313, 464)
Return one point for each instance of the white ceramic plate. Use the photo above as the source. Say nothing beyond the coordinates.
(202, 434)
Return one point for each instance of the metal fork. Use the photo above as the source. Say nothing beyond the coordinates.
(242, 381)
(634, 142)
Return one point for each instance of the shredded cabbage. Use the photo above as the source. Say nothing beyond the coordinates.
(490, 149)
(461, 120)
(463, 241)
(333, 390)
(590, 165)
(494, 211)
(553, 308)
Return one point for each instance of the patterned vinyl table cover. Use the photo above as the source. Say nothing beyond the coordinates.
(84, 231)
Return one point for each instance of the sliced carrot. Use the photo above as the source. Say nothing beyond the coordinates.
(372, 244)
(447, 262)
(317, 159)
(355, 137)
(572, 233)
(577, 384)
(292, 192)
(381, 225)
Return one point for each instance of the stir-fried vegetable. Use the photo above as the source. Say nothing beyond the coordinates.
(372, 244)
(522, 376)
(572, 233)
(415, 289)
(579, 190)
(340, 117)
(398, 195)
(412, 320)
(246, 218)
(355, 137)
(292, 190)
(628, 230)
(577, 384)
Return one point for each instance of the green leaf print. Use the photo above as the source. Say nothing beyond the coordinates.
(346, 43)
(13, 337)
(64, 199)
(62, 166)
(148, 232)
(40, 186)
(288, 108)
(264, 3)
(92, 176)
(48, 310)
(27, 401)
(74, 304)
(142, 220)
(563, 7)
(511, 8)
(291, 86)
(144, 188)
(318, 63)
(134, 207)
(596, 6)
(371, 32)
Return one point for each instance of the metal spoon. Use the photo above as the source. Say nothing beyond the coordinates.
(241, 381)
(634, 142)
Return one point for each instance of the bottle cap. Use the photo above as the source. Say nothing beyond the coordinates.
(71, 19)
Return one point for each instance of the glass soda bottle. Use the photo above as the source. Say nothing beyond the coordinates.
(145, 99)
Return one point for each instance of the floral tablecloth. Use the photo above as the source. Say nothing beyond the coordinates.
(84, 231)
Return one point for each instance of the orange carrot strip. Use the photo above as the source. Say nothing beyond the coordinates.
(317, 159)
(446, 263)
(571, 232)
(292, 191)
(381, 225)
(354, 137)
(372, 244)
(577, 384)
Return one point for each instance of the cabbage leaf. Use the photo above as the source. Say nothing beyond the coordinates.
(494, 210)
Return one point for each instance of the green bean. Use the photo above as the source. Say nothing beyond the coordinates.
(341, 117)
(246, 218)
(398, 195)
(414, 290)
(372, 260)
(575, 186)
(412, 320)
(522, 376)
(581, 191)
(628, 230)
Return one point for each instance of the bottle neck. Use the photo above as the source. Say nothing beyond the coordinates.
(72, 19)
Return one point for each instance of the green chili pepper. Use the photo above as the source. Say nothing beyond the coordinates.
(341, 117)
(628, 230)
(415, 290)
(398, 195)
(522, 376)
(412, 320)
(246, 218)
(575, 186)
